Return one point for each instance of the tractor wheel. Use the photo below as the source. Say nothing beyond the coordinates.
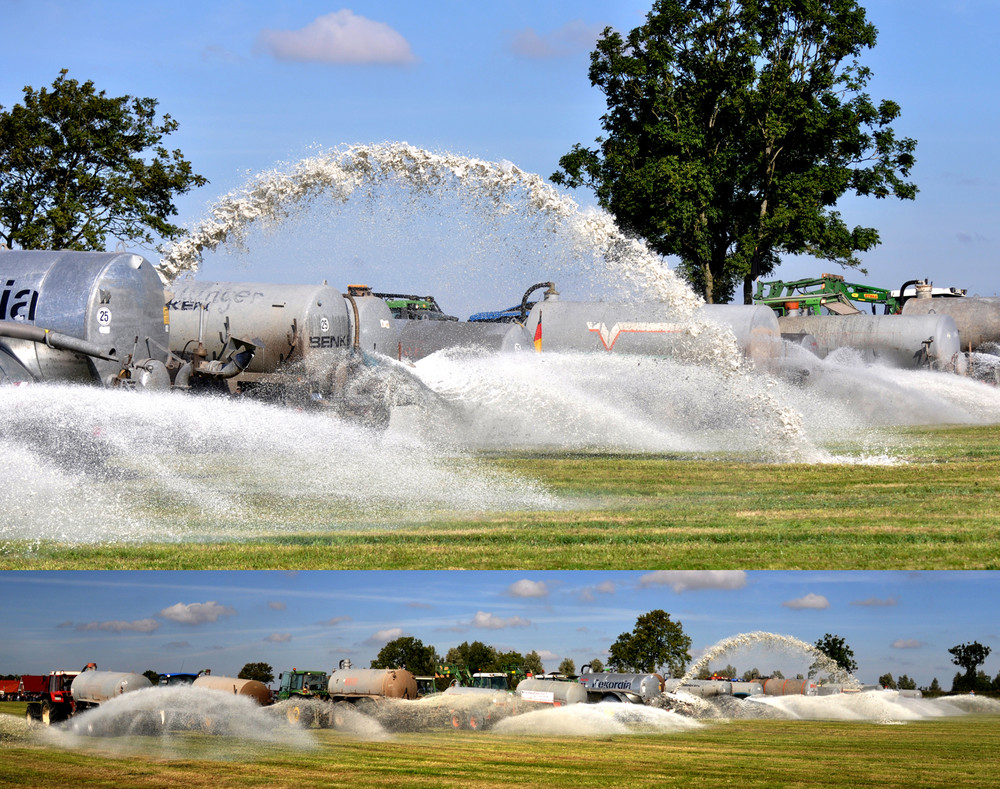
(299, 715)
(50, 713)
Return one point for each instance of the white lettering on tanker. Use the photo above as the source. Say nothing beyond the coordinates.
(610, 336)
(546, 697)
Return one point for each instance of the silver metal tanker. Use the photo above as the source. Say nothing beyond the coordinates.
(81, 316)
(634, 688)
(94, 687)
(551, 691)
(251, 688)
(651, 328)
(977, 318)
(898, 340)
(314, 344)
(390, 683)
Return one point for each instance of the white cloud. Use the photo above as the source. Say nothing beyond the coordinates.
(526, 588)
(279, 638)
(336, 620)
(494, 622)
(119, 626)
(575, 36)
(811, 600)
(546, 654)
(907, 643)
(276, 605)
(341, 37)
(686, 580)
(875, 601)
(196, 613)
(385, 636)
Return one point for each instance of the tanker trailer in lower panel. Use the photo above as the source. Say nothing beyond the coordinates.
(908, 341)
(71, 693)
(317, 347)
(788, 687)
(315, 697)
(628, 688)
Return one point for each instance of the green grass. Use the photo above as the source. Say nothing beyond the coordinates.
(940, 752)
(936, 510)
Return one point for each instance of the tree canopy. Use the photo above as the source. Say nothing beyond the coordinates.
(656, 644)
(733, 127)
(836, 648)
(409, 653)
(77, 166)
(970, 657)
(262, 672)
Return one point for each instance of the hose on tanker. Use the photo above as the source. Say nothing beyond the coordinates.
(524, 299)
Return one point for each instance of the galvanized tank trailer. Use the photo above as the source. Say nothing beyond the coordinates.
(95, 317)
(70, 693)
(644, 327)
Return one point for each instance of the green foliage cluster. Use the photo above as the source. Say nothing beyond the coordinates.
(262, 672)
(77, 166)
(732, 129)
(409, 653)
(836, 648)
(656, 644)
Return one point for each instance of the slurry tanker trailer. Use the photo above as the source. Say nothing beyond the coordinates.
(628, 688)
(93, 317)
(314, 344)
(72, 692)
(342, 686)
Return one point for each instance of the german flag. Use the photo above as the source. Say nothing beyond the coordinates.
(538, 334)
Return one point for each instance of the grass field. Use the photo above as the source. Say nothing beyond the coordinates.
(940, 752)
(935, 508)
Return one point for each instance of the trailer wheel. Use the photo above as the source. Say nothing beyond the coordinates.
(456, 721)
(474, 722)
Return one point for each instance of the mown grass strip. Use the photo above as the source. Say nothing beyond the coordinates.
(943, 752)
(936, 511)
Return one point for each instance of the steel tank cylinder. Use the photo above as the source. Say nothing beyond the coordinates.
(374, 329)
(110, 302)
(96, 687)
(297, 323)
(702, 688)
(419, 339)
(651, 328)
(391, 683)
(899, 340)
(789, 687)
(645, 686)
(977, 318)
(742, 690)
(251, 688)
(551, 691)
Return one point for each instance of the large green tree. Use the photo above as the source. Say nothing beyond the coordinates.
(409, 653)
(732, 130)
(656, 644)
(970, 657)
(837, 649)
(77, 166)
(262, 672)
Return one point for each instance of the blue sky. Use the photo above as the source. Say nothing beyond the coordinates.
(255, 84)
(897, 622)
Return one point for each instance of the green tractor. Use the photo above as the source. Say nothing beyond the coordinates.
(829, 292)
(301, 687)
